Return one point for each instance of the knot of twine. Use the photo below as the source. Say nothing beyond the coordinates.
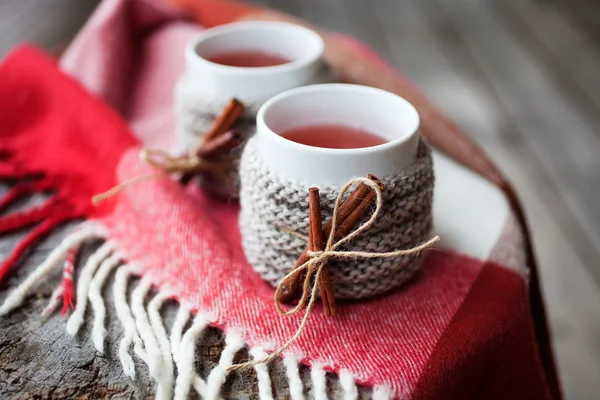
(190, 162)
(168, 164)
(313, 268)
(211, 160)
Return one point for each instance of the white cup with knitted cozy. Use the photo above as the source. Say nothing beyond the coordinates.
(206, 86)
(276, 173)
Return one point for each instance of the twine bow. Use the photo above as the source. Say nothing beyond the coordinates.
(313, 268)
(164, 161)
(167, 164)
(190, 163)
(209, 155)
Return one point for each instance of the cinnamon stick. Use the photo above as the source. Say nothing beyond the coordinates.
(216, 147)
(220, 145)
(222, 124)
(316, 242)
(225, 121)
(359, 201)
(351, 202)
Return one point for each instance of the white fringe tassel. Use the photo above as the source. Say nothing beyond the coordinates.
(382, 392)
(319, 388)
(293, 374)
(216, 378)
(142, 323)
(83, 285)
(130, 334)
(185, 360)
(96, 300)
(262, 374)
(166, 379)
(348, 385)
(199, 385)
(15, 299)
(181, 319)
(158, 367)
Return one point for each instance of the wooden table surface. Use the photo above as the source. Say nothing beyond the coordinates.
(522, 77)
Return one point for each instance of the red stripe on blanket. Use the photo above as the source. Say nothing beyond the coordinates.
(488, 350)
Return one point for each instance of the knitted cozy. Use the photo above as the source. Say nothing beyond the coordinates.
(270, 202)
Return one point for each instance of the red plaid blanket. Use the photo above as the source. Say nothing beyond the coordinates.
(470, 325)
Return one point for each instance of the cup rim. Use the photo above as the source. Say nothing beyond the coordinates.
(264, 129)
(195, 59)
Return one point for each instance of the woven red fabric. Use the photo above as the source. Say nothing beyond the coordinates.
(459, 321)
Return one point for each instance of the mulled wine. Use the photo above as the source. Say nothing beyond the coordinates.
(333, 136)
(248, 59)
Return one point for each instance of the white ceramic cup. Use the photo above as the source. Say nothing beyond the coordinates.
(253, 85)
(377, 111)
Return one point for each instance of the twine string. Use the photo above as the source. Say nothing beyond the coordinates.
(162, 160)
(168, 164)
(319, 259)
(100, 197)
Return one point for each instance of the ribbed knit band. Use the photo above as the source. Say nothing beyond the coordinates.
(269, 202)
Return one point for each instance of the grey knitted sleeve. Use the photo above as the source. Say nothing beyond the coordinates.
(269, 201)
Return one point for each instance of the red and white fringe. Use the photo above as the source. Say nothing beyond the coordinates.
(67, 280)
(55, 300)
(144, 329)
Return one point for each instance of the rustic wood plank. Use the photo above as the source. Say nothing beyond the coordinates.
(262, 3)
(420, 55)
(364, 24)
(291, 7)
(11, 13)
(329, 15)
(583, 13)
(47, 23)
(562, 48)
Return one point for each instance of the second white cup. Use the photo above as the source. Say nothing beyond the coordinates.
(301, 46)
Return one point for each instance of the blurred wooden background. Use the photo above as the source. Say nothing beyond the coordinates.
(522, 77)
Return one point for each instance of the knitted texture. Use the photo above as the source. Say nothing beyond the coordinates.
(270, 202)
